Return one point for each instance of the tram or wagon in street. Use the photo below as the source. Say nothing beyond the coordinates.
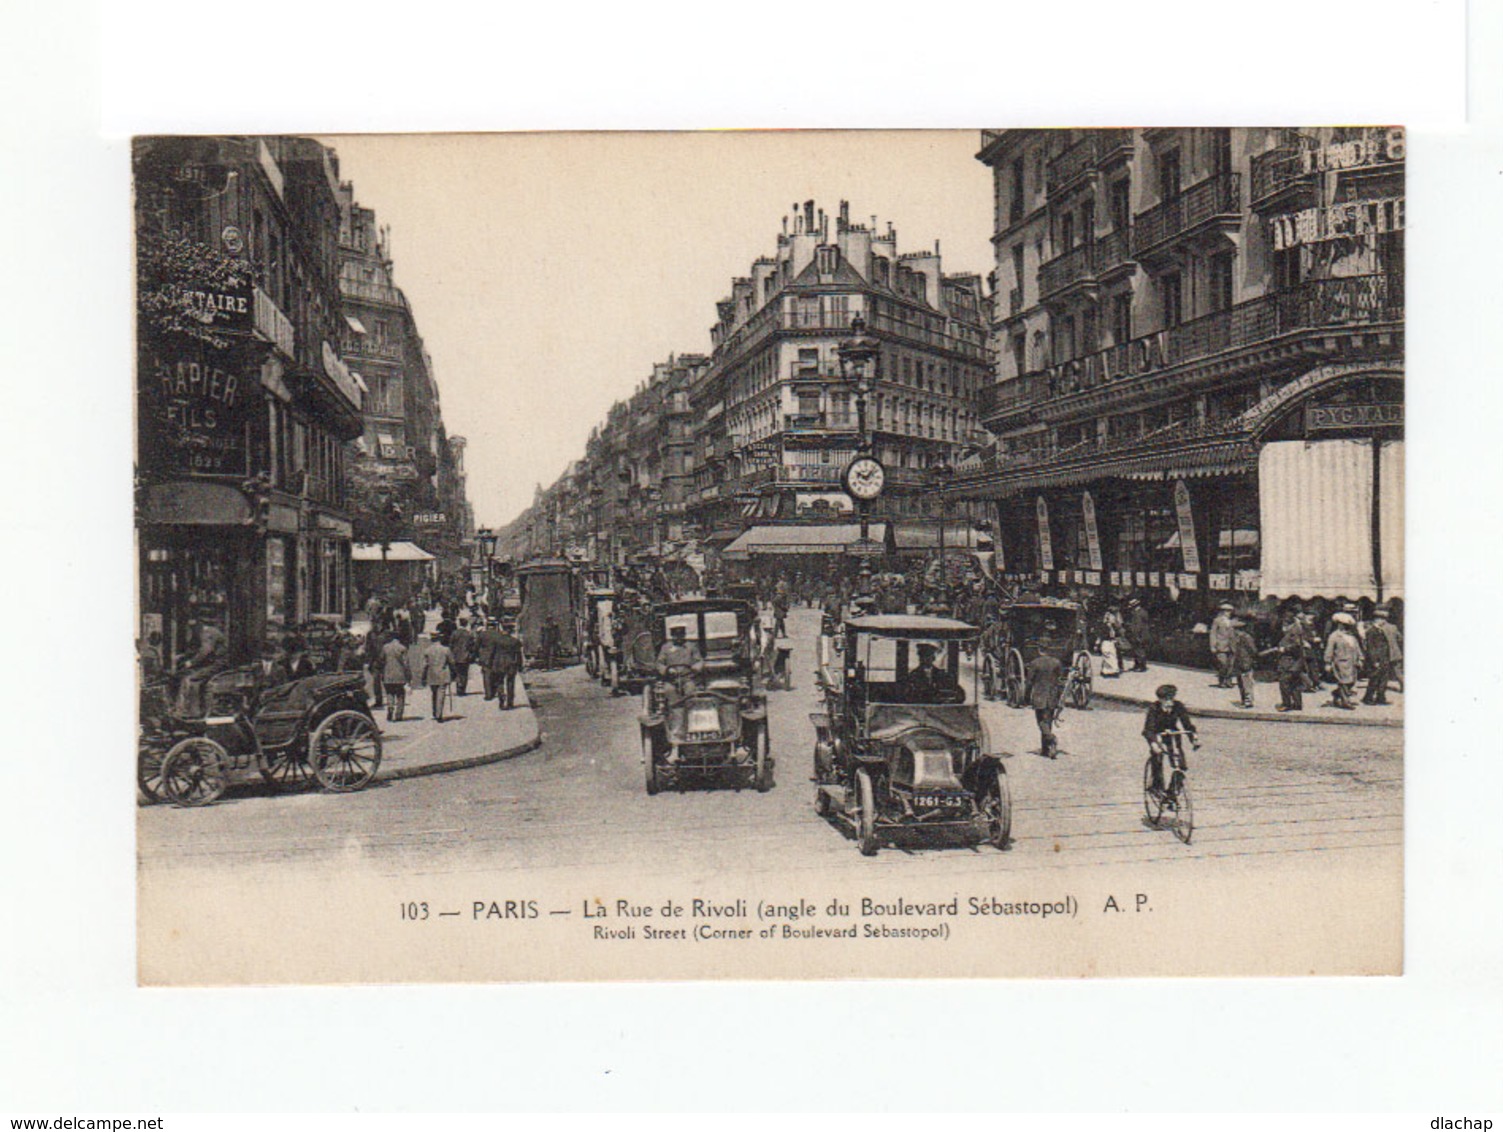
(890, 761)
(550, 589)
(709, 727)
(317, 729)
(1023, 630)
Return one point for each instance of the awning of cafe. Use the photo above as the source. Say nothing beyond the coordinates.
(395, 552)
(924, 535)
(809, 538)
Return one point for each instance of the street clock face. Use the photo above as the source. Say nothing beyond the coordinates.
(864, 477)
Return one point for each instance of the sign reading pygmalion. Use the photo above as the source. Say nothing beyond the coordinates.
(1324, 418)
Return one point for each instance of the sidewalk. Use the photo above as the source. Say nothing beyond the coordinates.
(474, 732)
(1198, 692)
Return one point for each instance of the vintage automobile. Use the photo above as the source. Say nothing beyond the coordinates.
(1023, 630)
(318, 729)
(899, 751)
(631, 661)
(596, 631)
(711, 725)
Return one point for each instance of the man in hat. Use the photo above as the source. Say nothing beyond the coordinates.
(506, 662)
(1343, 657)
(1138, 629)
(1243, 660)
(1291, 664)
(678, 657)
(485, 655)
(1045, 678)
(1221, 637)
(1385, 649)
(462, 650)
(928, 683)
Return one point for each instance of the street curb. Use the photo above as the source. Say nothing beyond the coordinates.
(466, 763)
(1254, 716)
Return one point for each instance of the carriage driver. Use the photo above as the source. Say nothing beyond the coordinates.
(679, 656)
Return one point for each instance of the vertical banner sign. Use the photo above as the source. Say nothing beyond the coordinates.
(1186, 527)
(1093, 539)
(1046, 547)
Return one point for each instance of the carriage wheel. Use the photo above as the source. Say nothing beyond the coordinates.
(989, 678)
(1017, 679)
(650, 763)
(866, 815)
(345, 751)
(591, 663)
(996, 808)
(1080, 688)
(763, 774)
(149, 760)
(613, 675)
(286, 768)
(193, 772)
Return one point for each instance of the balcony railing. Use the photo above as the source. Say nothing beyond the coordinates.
(1352, 301)
(272, 324)
(1086, 154)
(372, 292)
(1277, 170)
(819, 422)
(1084, 263)
(1218, 195)
(363, 345)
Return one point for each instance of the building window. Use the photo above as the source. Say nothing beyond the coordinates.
(1169, 175)
(1221, 282)
(1066, 232)
(1121, 318)
(1088, 221)
(1017, 268)
(1015, 210)
(1221, 152)
(1119, 204)
(1171, 299)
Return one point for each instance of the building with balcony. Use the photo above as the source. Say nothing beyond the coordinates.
(778, 420)
(1199, 381)
(244, 403)
(407, 478)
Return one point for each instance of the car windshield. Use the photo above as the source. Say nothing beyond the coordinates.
(720, 625)
(911, 670)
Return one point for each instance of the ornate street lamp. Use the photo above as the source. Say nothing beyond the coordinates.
(864, 475)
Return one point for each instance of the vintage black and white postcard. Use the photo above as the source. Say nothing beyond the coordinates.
(818, 554)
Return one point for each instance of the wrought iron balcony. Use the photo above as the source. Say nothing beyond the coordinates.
(819, 422)
(1277, 171)
(1218, 196)
(1084, 264)
(1087, 154)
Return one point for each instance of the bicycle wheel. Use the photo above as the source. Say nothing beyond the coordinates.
(1153, 800)
(1184, 817)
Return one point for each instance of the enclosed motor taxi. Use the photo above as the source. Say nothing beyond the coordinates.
(708, 725)
(900, 746)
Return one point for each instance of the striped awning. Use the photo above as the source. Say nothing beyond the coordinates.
(804, 538)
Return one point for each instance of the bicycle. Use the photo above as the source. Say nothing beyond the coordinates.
(1175, 797)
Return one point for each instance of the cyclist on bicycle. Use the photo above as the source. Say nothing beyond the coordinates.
(1162, 727)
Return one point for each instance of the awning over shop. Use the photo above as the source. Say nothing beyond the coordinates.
(833, 538)
(723, 536)
(959, 535)
(355, 324)
(395, 552)
(1316, 503)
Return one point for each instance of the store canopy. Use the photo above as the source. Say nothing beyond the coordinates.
(924, 535)
(834, 538)
(723, 535)
(395, 552)
(355, 324)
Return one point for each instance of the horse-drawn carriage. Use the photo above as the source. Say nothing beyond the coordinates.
(1022, 631)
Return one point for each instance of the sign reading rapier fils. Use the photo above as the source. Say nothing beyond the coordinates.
(193, 406)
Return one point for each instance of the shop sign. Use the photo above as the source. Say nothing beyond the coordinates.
(1326, 418)
(1116, 577)
(1377, 146)
(1219, 581)
(1046, 547)
(1044, 576)
(1093, 577)
(1186, 527)
(430, 518)
(395, 471)
(1188, 582)
(1140, 578)
(1155, 579)
(195, 414)
(1350, 220)
(280, 517)
(223, 308)
(1248, 579)
(208, 504)
(1093, 539)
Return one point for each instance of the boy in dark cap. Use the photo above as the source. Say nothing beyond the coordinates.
(1166, 717)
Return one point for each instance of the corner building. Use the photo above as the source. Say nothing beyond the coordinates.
(1199, 337)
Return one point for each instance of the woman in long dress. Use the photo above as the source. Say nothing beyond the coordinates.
(1111, 628)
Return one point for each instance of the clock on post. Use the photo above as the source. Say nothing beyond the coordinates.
(864, 478)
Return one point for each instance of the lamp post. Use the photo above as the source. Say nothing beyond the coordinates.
(944, 473)
(864, 475)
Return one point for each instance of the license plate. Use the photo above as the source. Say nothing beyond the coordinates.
(939, 802)
(703, 719)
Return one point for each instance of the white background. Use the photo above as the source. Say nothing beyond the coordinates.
(75, 1033)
